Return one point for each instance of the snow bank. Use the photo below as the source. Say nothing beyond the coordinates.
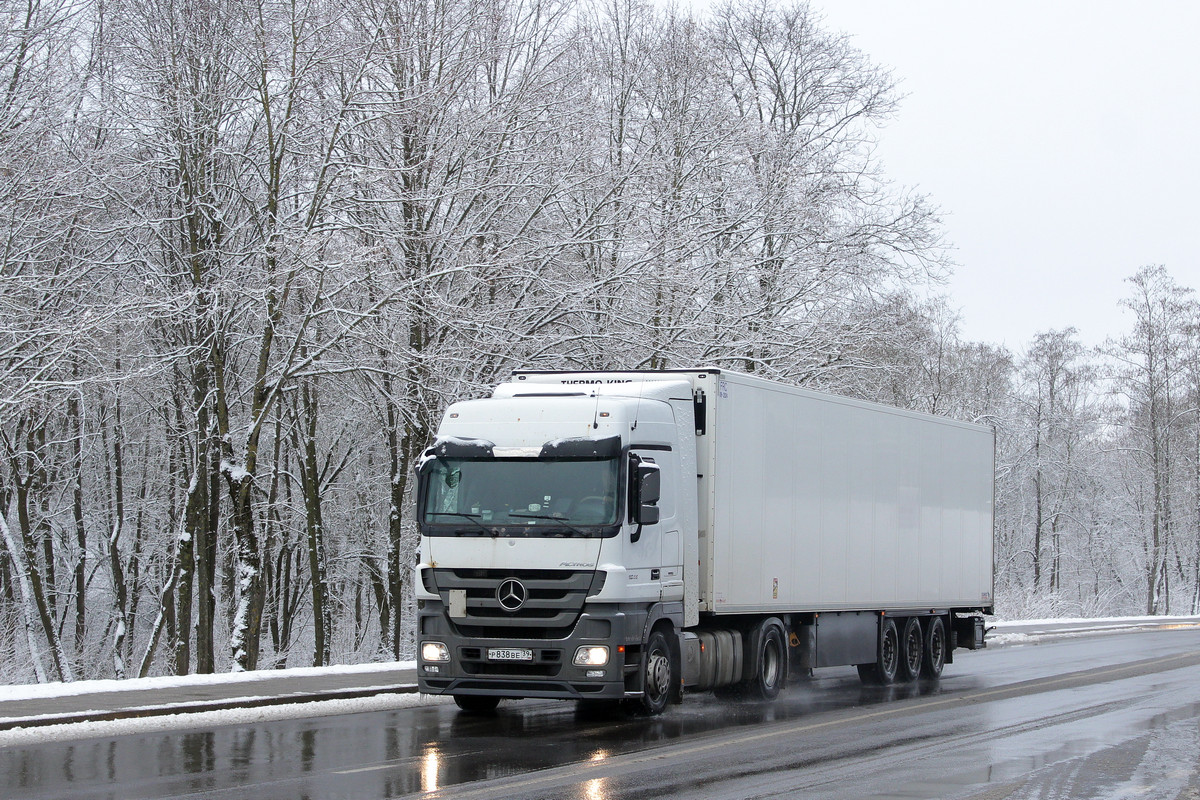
(1031, 631)
(1000, 623)
(204, 720)
(43, 690)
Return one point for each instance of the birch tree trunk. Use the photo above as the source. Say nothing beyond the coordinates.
(31, 577)
(26, 599)
(311, 484)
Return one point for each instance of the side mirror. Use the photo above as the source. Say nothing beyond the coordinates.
(647, 488)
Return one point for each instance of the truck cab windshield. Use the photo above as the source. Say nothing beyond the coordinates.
(520, 496)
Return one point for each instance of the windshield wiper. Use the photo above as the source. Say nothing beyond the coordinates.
(474, 518)
(559, 520)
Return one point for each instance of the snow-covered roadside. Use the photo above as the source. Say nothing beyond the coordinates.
(257, 696)
(1031, 631)
(204, 720)
(43, 690)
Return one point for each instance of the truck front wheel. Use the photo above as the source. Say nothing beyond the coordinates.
(659, 677)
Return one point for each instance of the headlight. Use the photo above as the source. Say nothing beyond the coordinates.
(591, 656)
(434, 651)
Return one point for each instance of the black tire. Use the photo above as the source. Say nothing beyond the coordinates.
(770, 665)
(660, 676)
(934, 652)
(882, 672)
(768, 669)
(912, 648)
(476, 704)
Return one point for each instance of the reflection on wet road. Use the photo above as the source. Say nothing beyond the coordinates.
(1091, 713)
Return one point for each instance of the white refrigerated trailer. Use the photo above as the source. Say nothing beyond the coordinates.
(627, 535)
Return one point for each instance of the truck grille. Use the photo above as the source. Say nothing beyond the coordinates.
(552, 602)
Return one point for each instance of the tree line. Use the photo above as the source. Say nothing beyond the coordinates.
(252, 248)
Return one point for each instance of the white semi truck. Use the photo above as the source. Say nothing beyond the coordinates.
(625, 536)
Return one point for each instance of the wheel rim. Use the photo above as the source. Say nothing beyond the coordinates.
(913, 647)
(889, 656)
(937, 646)
(771, 663)
(658, 675)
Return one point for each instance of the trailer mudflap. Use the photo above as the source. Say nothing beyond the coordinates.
(969, 632)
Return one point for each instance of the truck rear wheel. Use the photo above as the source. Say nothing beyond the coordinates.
(912, 645)
(935, 650)
(882, 672)
(770, 660)
(660, 676)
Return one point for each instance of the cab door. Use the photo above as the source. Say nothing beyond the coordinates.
(671, 558)
(655, 550)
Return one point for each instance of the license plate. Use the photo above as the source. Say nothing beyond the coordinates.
(509, 654)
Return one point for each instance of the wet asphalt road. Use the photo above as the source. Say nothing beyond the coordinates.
(1111, 716)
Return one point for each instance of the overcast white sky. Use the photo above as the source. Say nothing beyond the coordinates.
(1061, 141)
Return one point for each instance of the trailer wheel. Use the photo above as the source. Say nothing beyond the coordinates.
(935, 650)
(912, 644)
(475, 703)
(660, 678)
(882, 672)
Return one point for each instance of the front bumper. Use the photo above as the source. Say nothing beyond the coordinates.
(550, 673)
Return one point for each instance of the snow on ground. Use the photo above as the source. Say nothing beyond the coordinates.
(1031, 631)
(1003, 623)
(36, 691)
(257, 684)
(206, 720)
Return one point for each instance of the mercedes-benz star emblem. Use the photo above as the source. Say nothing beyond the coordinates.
(511, 594)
